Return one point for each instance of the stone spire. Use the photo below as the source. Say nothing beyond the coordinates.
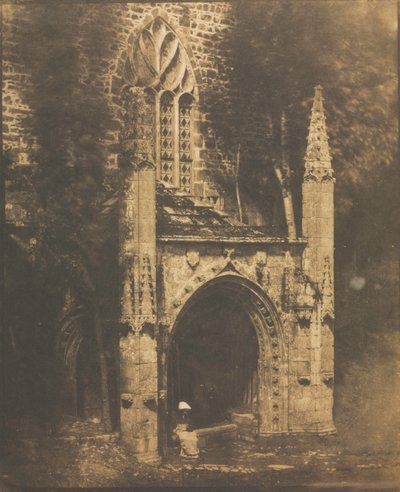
(317, 154)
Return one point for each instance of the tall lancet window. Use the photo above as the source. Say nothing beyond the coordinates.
(185, 143)
(159, 61)
(166, 170)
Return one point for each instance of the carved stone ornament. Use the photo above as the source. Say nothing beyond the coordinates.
(261, 258)
(328, 379)
(328, 176)
(328, 316)
(193, 258)
(158, 60)
(317, 154)
(328, 313)
(229, 253)
(310, 176)
(127, 400)
(304, 315)
(320, 175)
(138, 298)
(288, 292)
(305, 299)
(304, 380)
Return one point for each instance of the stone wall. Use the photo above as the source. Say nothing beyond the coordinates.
(205, 29)
(261, 264)
(106, 36)
(277, 269)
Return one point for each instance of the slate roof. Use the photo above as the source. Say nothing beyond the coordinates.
(180, 216)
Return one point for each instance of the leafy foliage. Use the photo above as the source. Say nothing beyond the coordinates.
(281, 50)
(70, 117)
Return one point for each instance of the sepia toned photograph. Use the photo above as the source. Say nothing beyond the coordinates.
(199, 282)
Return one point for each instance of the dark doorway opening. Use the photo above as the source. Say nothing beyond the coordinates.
(213, 360)
(88, 388)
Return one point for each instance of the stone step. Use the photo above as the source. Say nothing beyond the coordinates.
(247, 424)
(216, 434)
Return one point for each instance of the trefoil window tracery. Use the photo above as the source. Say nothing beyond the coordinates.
(159, 62)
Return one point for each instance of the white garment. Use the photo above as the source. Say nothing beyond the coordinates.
(188, 441)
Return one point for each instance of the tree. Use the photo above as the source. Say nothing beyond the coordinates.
(281, 50)
(69, 118)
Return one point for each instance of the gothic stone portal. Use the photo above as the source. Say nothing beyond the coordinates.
(179, 232)
(179, 239)
(226, 354)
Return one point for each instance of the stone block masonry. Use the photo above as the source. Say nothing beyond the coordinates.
(203, 29)
(165, 73)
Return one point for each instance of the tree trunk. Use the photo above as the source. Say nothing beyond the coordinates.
(287, 198)
(237, 185)
(104, 376)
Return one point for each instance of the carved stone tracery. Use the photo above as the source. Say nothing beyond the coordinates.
(276, 363)
(317, 154)
(328, 313)
(159, 60)
(305, 298)
(319, 175)
(159, 65)
(272, 343)
(288, 292)
(137, 248)
(299, 294)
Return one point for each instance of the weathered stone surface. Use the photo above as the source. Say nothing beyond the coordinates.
(286, 287)
(209, 435)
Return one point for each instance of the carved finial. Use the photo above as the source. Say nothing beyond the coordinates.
(317, 155)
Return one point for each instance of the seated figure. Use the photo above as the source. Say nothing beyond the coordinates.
(187, 438)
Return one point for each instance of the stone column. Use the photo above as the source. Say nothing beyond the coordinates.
(138, 347)
(138, 344)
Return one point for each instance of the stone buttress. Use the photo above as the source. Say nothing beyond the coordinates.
(138, 346)
(318, 229)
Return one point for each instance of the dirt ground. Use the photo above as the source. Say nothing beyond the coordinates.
(307, 463)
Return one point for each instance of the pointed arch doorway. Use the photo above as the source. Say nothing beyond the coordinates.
(226, 354)
(214, 357)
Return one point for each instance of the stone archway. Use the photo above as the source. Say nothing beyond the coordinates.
(80, 372)
(258, 313)
(213, 360)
